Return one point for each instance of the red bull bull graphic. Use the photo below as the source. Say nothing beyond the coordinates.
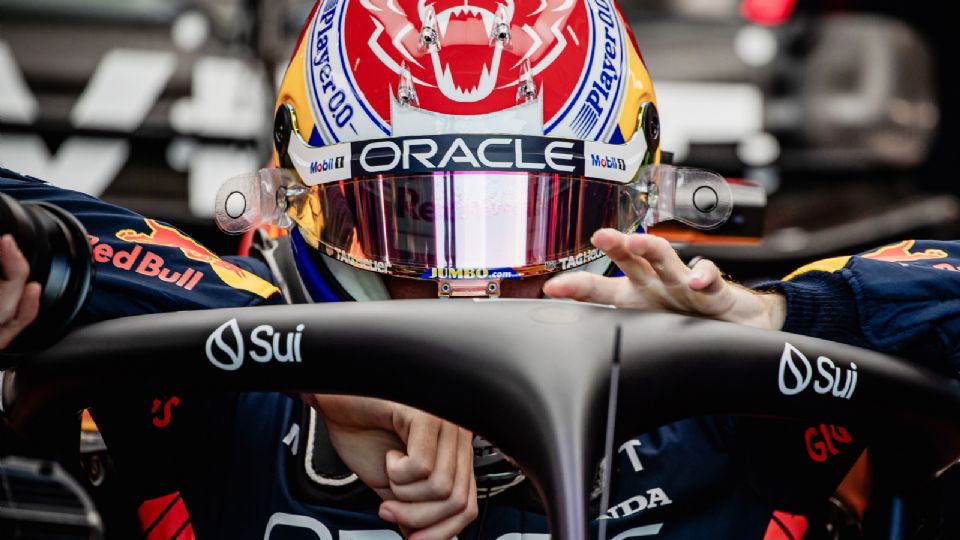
(901, 252)
(166, 236)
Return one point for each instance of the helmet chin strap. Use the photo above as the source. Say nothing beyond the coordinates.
(470, 288)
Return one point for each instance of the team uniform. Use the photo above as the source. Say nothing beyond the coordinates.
(246, 465)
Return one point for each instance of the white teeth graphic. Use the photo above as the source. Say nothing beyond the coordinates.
(443, 19)
(487, 21)
(483, 88)
(447, 76)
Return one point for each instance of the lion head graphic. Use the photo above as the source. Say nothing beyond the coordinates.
(467, 71)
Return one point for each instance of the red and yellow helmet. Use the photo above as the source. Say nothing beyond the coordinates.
(466, 62)
(473, 140)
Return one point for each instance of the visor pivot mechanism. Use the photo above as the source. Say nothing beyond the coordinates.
(247, 201)
(650, 125)
(468, 288)
(282, 130)
(696, 197)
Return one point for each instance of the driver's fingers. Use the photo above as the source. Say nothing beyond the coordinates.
(660, 255)
(441, 519)
(421, 438)
(26, 313)
(442, 477)
(450, 527)
(705, 277)
(612, 243)
(585, 287)
(453, 525)
(15, 272)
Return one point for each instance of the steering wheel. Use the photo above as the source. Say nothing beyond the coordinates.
(549, 368)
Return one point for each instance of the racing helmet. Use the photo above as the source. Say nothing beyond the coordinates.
(464, 142)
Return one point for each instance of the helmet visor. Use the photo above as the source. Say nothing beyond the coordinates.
(462, 225)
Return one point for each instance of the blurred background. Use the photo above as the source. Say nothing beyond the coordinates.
(839, 108)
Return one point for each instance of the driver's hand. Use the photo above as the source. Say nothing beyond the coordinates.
(420, 465)
(19, 300)
(656, 278)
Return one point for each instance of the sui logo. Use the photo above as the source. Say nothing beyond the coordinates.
(797, 373)
(227, 348)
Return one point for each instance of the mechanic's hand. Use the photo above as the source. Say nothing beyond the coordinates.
(420, 465)
(656, 278)
(19, 300)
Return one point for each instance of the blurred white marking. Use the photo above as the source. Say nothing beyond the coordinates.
(759, 149)
(180, 152)
(636, 532)
(756, 46)
(229, 100)
(123, 89)
(17, 103)
(190, 31)
(292, 438)
(708, 113)
(82, 164)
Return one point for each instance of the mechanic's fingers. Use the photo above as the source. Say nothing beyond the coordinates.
(421, 438)
(440, 483)
(705, 277)
(585, 287)
(15, 272)
(26, 313)
(613, 243)
(661, 256)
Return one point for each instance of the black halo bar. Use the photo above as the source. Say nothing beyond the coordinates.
(540, 369)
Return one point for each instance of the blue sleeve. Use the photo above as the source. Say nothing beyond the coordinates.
(158, 443)
(895, 299)
(146, 266)
(899, 299)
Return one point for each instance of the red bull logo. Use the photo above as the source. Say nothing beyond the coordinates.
(144, 262)
(166, 236)
(901, 252)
